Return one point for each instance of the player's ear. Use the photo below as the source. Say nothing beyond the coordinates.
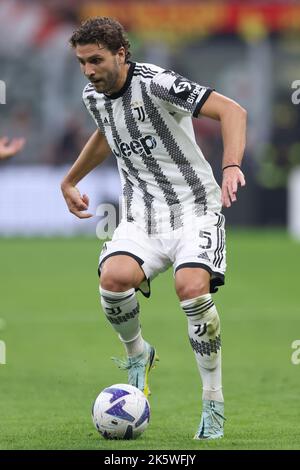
(121, 55)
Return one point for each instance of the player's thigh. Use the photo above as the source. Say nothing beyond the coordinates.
(143, 255)
(191, 282)
(121, 272)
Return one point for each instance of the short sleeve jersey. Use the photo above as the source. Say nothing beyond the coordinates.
(148, 125)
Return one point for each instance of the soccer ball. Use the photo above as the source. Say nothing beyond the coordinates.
(121, 411)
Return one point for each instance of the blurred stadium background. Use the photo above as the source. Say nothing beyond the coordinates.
(247, 50)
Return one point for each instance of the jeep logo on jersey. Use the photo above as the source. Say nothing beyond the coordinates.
(186, 90)
(138, 146)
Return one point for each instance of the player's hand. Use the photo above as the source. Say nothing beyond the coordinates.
(8, 149)
(76, 203)
(232, 177)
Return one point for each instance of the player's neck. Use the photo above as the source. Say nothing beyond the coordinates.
(121, 80)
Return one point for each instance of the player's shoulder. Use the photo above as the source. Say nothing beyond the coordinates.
(88, 90)
(146, 71)
(89, 95)
(157, 77)
(165, 78)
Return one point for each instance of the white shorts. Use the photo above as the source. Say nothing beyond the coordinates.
(201, 244)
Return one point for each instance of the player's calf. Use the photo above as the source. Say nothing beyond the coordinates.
(122, 311)
(205, 339)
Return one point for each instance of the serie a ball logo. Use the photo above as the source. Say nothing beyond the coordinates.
(121, 411)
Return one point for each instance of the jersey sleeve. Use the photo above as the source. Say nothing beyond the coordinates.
(178, 94)
(89, 102)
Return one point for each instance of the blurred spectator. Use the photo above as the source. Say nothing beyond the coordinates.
(69, 145)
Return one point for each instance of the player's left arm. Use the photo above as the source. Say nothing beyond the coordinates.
(233, 120)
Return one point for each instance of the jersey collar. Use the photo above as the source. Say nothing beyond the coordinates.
(121, 92)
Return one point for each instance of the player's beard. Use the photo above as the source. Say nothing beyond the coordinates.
(108, 84)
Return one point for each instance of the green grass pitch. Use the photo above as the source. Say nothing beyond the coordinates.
(58, 348)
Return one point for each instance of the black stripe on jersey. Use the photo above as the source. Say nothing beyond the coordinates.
(89, 88)
(93, 102)
(221, 254)
(218, 255)
(202, 101)
(218, 241)
(128, 188)
(220, 219)
(176, 153)
(145, 72)
(144, 69)
(128, 194)
(221, 249)
(150, 222)
(152, 165)
(163, 93)
(145, 75)
(148, 198)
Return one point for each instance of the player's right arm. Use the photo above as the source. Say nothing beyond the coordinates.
(93, 153)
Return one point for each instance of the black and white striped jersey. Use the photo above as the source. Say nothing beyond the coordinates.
(148, 125)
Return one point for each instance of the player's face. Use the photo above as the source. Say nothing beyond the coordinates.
(105, 70)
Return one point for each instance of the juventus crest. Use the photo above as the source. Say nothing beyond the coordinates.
(139, 111)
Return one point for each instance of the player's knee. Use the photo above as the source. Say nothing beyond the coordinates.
(192, 289)
(115, 281)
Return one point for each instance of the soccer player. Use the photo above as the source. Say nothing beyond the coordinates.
(8, 149)
(172, 202)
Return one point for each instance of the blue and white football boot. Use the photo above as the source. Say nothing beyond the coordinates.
(212, 420)
(139, 367)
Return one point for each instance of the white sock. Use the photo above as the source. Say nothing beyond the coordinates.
(122, 311)
(204, 334)
(135, 346)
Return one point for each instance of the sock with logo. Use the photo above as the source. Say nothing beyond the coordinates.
(204, 335)
(122, 311)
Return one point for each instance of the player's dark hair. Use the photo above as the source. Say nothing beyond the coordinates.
(102, 30)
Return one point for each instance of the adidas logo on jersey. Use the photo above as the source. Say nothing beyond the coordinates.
(204, 255)
(138, 146)
(106, 121)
